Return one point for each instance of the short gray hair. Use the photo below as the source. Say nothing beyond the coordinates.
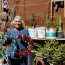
(15, 20)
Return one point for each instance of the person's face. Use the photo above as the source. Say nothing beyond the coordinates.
(17, 23)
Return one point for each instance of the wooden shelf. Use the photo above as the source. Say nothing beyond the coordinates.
(47, 38)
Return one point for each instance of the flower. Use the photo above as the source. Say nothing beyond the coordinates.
(27, 40)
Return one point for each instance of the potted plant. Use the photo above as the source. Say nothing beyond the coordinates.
(33, 20)
(32, 30)
(59, 28)
(52, 52)
(50, 29)
(39, 59)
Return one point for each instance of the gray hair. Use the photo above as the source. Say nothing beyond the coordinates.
(15, 20)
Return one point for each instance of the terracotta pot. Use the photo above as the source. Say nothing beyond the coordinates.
(40, 61)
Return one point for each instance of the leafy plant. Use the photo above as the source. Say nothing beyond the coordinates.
(53, 51)
(33, 21)
(50, 24)
(59, 23)
(38, 50)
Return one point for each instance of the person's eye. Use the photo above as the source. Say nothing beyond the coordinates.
(0, 23)
(18, 21)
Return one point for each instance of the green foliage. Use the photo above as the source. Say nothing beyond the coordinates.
(55, 24)
(59, 23)
(50, 24)
(53, 51)
(39, 52)
(33, 21)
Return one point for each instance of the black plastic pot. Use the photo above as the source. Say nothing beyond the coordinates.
(60, 34)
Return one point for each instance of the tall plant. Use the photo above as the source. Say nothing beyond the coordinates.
(59, 23)
(33, 20)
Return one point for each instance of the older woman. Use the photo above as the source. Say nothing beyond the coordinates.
(16, 44)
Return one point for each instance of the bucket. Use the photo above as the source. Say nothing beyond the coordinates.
(32, 33)
(41, 32)
(50, 33)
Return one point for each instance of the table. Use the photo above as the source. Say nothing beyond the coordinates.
(52, 8)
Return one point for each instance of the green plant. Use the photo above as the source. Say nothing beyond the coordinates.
(33, 20)
(59, 23)
(54, 52)
(38, 50)
(50, 24)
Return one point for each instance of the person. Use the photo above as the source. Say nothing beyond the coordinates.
(17, 45)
